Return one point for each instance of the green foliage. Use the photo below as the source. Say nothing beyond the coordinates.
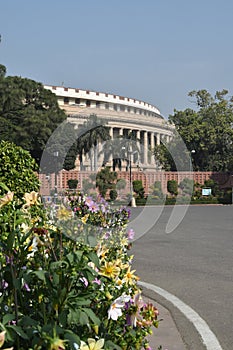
(72, 183)
(156, 189)
(17, 169)
(28, 113)
(106, 180)
(207, 130)
(2, 71)
(113, 195)
(58, 292)
(210, 183)
(172, 187)
(138, 188)
(187, 186)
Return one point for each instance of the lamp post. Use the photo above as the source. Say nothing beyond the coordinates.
(55, 154)
(130, 153)
(190, 164)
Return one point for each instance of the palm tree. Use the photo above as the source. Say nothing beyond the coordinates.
(91, 133)
(120, 149)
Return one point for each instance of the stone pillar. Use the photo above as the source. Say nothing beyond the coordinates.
(111, 132)
(121, 132)
(152, 145)
(158, 139)
(145, 151)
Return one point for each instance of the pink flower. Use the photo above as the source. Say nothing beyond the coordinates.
(131, 234)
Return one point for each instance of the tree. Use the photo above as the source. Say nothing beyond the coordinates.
(72, 184)
(106, 180)
(138, 188)
(28, 113)
(91, 133)
(207, 130)
(172, 187)
(17, 169)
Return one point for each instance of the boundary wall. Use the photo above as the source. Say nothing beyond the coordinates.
(48, 183)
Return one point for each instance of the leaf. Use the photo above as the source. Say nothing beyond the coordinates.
(4, 187)
(40, 274)
(92, 316)
(83, 318)
(10, 240)
(72, 338)
(110, 345)
(19, 331)
(7, 318)
(94, 258)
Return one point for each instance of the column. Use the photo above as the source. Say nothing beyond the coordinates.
(152, 145)
(145, 151)
(121, 132)
(157, 139)
(111, 132)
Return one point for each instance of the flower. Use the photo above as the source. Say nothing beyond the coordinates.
(109, 270)
(138, 303)
(33, 247)
(31, 198)
(2, 340)
(115, 310)
(84, 218)
(129, 277)
(131, 234)
(92, 344)
(6, 199)
(63, 213)
(57, 344)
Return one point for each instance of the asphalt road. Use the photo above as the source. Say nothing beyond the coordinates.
(194, 262)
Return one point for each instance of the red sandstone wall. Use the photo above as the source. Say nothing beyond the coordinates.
(148, 178)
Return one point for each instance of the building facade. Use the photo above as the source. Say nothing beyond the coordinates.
(122, 115)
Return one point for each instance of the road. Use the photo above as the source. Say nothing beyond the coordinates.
(194, 263)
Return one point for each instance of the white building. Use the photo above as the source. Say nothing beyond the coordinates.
(122, 115)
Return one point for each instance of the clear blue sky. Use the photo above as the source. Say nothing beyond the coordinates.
(153, 50)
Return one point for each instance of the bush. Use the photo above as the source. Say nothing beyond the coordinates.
(172, 187)
(66, 278)
(17, 169)
(113, 195)
(72, 184)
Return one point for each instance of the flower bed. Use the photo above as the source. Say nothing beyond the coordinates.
(66, 277)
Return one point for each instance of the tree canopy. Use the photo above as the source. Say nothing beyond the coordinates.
(28, 113)
(206, 131)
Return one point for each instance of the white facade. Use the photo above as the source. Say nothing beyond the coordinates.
(122, 115)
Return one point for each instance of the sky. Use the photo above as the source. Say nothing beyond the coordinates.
(156, 51)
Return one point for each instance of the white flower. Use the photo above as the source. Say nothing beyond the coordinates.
(92, 344)
(115, 310)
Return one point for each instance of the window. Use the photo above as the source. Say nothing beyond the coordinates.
(77, 101)
(88, 103)
(66, 100)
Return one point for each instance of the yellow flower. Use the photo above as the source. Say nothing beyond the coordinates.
(6, 199)
(92, 344)
(110, 270)
(31, 198)
(63, 213)
(2, 338)
(84, 218)
(129, 277)
(57, 344)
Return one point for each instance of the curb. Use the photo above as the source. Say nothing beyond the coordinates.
(167, 334)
